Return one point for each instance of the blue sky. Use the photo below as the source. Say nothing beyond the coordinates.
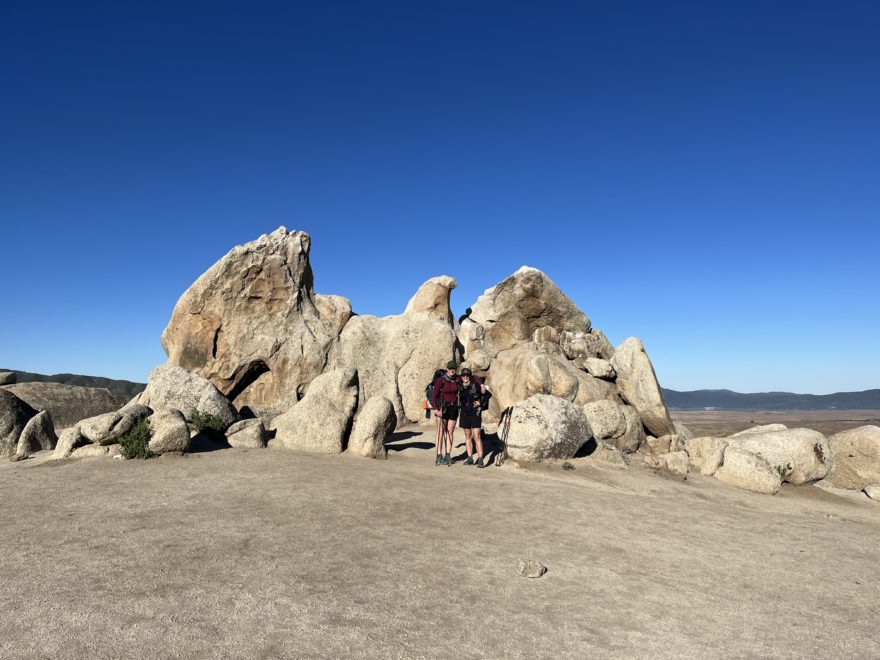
(701, 175)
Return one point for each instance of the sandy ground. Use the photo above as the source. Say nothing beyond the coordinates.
(725, 422)
(264, 553)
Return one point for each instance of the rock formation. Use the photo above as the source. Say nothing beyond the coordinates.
(396, 356)
(546, 427)
(746, 470)
(373, 424)
(251, 324)
(247, 434)
(170, 386)
(856, 455)
(14, 416)
(800, 455)
(320, 423)
(38, 434)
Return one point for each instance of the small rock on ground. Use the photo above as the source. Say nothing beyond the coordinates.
(531, 569)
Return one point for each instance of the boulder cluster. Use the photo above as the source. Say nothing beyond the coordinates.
(256, 354)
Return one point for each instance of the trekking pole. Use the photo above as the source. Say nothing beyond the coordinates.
(503, 431)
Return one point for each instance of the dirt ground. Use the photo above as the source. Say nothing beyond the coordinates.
(725, 422)
(266, 554)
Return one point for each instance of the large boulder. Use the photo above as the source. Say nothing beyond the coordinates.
(7, 377)
(744, 469)
(168, 431)
(320, 422)
(38, 434)
(247, 434)
(251, 324)
(546, 427)
(68, 441)
(705, 453)
(371, 426)
(14, 416)
(67, 404)
(512, 311)
(106, 429)
(170, 386)
(856, 455)
(518, 373)
(396, 356)
(801, 455)
(615, 423)
(638, 386)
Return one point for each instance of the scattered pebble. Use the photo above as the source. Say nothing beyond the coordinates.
(531, 569)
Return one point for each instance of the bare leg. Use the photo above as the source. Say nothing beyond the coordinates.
(468, 442)
(450, 432)
(438, 435)
(479, 441)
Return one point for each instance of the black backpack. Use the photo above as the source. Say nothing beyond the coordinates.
(429, 390)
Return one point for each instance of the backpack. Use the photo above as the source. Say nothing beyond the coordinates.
(429, 389)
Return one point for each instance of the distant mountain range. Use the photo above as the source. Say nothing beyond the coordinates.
(696, 400)
(125, 388)
(728, 400)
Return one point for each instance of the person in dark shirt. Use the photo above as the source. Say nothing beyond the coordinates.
(473, 397)
(445, 405)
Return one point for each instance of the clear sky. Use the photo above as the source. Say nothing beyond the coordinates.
(703, 175)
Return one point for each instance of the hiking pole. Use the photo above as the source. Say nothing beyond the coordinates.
(504, 430)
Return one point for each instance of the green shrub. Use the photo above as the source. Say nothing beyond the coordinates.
(134, 444)
(207, 423)
(567, 466)
(784, 471)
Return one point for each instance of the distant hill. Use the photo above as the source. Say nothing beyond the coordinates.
(124, 388)
(728, 400)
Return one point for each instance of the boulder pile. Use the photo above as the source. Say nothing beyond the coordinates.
(255, 353)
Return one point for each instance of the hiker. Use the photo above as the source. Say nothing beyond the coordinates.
(438, 421)
(445, 404)
(473, 397)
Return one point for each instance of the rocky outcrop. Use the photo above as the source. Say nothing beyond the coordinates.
(106, 429)
(320, 423)
(512, 311)
(705, 453)
(518, 373)
(14, 416)
(69, 440)
(7, 378)
(675, 463)
(801, 455)
(170, 386)
(67, 404)
(38, 434)
(638, 386)
(744, 469)
(168, 431)
(373, 424)
(856, 455)
(251, 324)
(615, 423)
(247, 434)
(396, 356)
(546, 427)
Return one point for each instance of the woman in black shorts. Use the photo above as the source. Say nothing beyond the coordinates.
(472, 398)
(445, 404)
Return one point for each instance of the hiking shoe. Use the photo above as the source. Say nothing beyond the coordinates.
(448, 460)
(480, 463)
(468, 461)
(438, 461)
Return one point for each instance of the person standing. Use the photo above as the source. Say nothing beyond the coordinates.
(473, 397)
(445, 404)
